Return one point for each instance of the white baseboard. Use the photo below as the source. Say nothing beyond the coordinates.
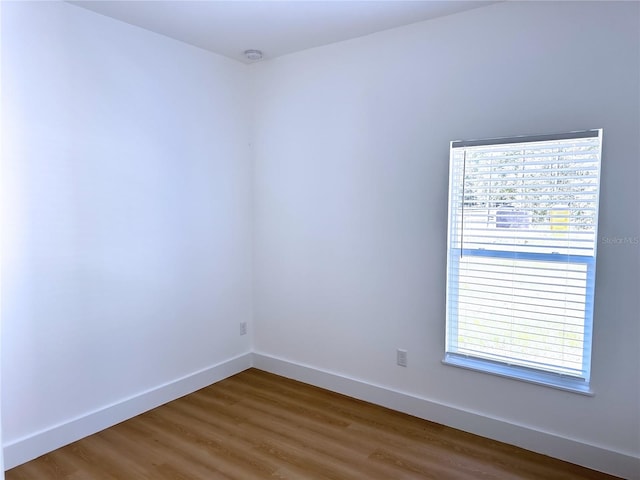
(28, 448)
(597, 458)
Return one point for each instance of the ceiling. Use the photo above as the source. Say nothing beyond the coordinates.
(274, 27)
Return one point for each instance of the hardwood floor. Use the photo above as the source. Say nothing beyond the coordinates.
(256, 425)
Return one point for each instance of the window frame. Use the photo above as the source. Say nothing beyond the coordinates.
(505, 369)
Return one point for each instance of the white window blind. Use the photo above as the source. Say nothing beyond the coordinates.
(521, 256)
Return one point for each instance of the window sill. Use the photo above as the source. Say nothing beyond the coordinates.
(552, 380)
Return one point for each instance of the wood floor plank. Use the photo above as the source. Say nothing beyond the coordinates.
(256, 425)
(260, 422)
(159, 443)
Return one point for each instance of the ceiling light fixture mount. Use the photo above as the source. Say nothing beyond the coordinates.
(253, 55)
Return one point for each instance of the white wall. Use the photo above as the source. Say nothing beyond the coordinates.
(1, 226)
(351, 203)
(127, 217)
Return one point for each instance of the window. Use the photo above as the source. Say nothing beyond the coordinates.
(523, 217)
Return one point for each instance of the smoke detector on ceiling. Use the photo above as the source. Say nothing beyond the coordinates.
(253, 55)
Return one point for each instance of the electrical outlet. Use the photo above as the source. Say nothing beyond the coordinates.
(401, 357)
(243, 328)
